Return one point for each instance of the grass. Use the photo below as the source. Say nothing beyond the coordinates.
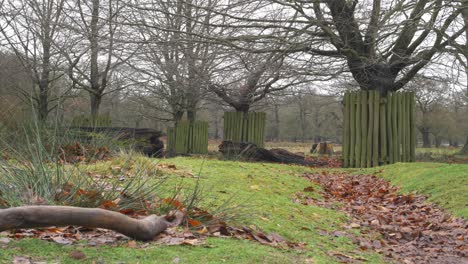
(217, 250)
(264, 191)
(444, 184)
(439, 151)
(266, 188)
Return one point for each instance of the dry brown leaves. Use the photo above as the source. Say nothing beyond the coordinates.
(198, 225)
(173, 236)
(79, 153)
(324, 161)
(412, 230)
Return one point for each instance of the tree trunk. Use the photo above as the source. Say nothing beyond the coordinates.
(277, 124)
(95, 104)
(454, 143)
(191, 115)
(42, 105)
(465, 148)
(177, 116)
(44, 79)
(373, 77)
(44, 216)
(426, 138)
(216, 124)
(438, 141)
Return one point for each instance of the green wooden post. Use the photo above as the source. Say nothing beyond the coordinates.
(263, 126)
(413, 128)
(404, 115)
(390, 128)
(346, 143)
(352, 150)
(408, 127)
(383, 131)
(358, 129)
(396, 135)
(370, 127)
(401, 127)
(375, 137)
(226, 127)
(364, 124)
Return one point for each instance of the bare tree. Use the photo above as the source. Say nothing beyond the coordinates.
(428, 95)
(92, 46)
(386, 48)
(460, 51)
(174, 57)
(248, 80)
(31, 28)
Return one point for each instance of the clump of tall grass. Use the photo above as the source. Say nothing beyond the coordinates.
(34, 175)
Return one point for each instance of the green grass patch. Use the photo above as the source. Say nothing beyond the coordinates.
(264, 193)
(444, 184)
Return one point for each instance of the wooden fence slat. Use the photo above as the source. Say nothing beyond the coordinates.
(364, 123)
(375, 141)
(390, 128)
(346, 134)
(408, 127)
(352, 136)
(403, 127)
(396, 134)
(383, 131)
(370, 128)
(358, 130)
(413, 128)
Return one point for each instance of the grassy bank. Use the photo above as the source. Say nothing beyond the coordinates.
(444, 184)
(265, 192)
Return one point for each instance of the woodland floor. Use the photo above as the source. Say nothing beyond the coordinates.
(325, 211)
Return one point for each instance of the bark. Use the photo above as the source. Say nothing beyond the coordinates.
(44, 216)
(438, 141)
(95, 105)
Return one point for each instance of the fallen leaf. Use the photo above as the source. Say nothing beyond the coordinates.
(132, 244)
(255, 187)
(21, 260)
(78, 255)
(5, 240)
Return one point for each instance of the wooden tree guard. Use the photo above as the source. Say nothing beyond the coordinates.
(378, 130)
(188, 137)
(245, 127)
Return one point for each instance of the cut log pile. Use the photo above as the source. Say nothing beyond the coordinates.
(123, 132)
(250, 152)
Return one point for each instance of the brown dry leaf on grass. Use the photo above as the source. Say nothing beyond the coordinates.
(79, 153)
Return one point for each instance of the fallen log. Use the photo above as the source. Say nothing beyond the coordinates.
(123, 132)
(44, 216)
(251, 152)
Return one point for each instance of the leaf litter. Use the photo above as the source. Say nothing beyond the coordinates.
(404, 228)
(191, 232)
